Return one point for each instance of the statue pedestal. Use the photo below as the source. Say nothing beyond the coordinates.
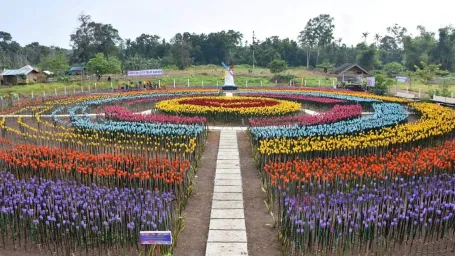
(229, 88)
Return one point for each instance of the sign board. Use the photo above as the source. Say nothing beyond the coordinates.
(371, 81)
(403, 79)
(156, 237)
(148, 72)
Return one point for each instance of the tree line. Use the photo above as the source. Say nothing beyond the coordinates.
(316, 47)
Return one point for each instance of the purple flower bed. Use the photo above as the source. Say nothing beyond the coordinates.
(373, 216)
(50, 212)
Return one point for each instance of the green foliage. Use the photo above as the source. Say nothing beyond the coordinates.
(58, 64)
(393, 69)
(427, 72)
(277, 66)
(368, 56)
(325, 67)
(100, 65)
(382, 85)
(282, 78)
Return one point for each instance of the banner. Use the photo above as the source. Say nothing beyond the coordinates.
(371, 81)
(149, 72)
(403, 79)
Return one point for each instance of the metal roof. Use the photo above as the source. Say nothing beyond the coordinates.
(347, 66)
(17, 72)
(48, 72)
(77, 68)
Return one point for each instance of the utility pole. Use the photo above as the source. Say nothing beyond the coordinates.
(254, 38)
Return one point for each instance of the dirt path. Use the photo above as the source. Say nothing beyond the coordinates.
(262, 238)
(192, 241)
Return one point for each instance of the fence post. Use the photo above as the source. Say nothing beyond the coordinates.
(82, 89)
(451, 95)
(174, 83)
(333, 84)
(159, 83)
(305, 83)
(202, 83)
(216, 83)
(407, 89)
(276, 82)
(420, 92)
(319, 84)
(65, 91)
(89, 88)
(55, 89)
(188, 82)
(74, 90)
(44, 94)
(32, 96)
(261, 83)
(246, 84)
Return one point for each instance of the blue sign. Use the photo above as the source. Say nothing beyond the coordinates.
(156, 237)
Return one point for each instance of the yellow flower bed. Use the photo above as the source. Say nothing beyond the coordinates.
(244, 106)
(436, 120)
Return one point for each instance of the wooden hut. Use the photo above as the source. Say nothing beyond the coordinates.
(350, 75)
(76, 71)
(24, 75)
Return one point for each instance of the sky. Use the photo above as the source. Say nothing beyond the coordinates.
(50, 22)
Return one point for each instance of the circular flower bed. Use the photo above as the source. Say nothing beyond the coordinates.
(229, 108)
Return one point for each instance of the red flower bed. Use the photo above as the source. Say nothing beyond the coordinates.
(230, 103)
(297, 97)
(336, 114)
(117, 113)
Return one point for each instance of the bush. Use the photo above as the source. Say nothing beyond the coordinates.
(283, 78)
(277, 66)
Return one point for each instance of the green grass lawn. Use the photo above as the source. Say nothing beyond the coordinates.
(198, 76)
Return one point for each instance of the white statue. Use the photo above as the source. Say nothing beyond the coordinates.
(229, 76)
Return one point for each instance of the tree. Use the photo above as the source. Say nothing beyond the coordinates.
(325, 66)
(428, 72)
(101, 65)
(382, 84)
(57, 64)
(91, 38)
(365, 35)
(181, 51)
(318, 33)
(393, 69)
(367, 56)
(277, 66)
(377, 37)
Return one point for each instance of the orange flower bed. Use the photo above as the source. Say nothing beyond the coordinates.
(44, 161)
(394, 163)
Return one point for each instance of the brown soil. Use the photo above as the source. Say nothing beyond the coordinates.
(262, 237)
(193, 239)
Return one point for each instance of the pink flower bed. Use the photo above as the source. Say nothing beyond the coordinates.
(117, 113)
(337, 113)
(296, 97)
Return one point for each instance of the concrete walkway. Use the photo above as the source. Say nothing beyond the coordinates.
(227, 231)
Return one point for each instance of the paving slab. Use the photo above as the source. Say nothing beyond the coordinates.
(229, 156)
(229, 171)
(226, 249)
(227, 176)
(228, 196)
(227, 204)
(227, 236)
(228, 182)
(228, 189)
(227, 214)
(227, 224)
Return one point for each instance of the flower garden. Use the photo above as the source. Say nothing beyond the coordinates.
(87, 173)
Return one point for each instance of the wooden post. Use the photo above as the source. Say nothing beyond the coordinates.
(202, 83)
(159, 83)
(420, 92)
(276, 82)
(261, 83)
(216, 83)
(188, 82)
(319, 84)
(55, 89)
(246, 84)
(44, 94)
(65, 91)
(174, 83)
(305, 83)
(74, 90)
